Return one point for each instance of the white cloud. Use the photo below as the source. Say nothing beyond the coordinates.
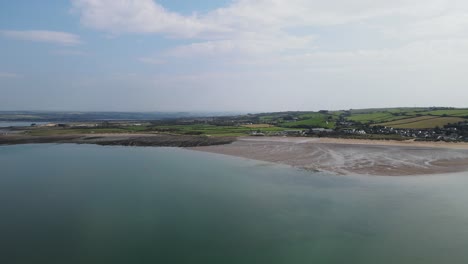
(442, 26)
(250, 26)
(247, 43)
(262, 31)
(54, 37)
(142, 16)
(147, 16)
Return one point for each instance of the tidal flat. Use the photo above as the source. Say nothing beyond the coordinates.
(351, 157)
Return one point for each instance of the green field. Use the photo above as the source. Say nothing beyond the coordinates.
(311, 120)
(407, 117)
(375, 117)
(209, 130)
(310, 123)
(423, 122)
(451, 112)
(301, 120)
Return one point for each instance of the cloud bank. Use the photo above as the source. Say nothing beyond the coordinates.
(259, 55)
(261, 26)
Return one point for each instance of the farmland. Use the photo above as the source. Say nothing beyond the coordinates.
(302, 120)
(199, 129)
(374, 117)
(367, 123)
(397, 117)
(423, 122)
(408, 117)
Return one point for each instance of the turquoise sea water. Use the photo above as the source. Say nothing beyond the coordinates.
(92, 204)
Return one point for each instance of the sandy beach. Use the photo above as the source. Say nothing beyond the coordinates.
(349, 156)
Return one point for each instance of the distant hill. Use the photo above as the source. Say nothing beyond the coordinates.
(70, 116)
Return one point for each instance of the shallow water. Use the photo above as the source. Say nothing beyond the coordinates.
(92, 204)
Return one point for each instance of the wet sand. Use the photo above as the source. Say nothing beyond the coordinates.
(346, 157)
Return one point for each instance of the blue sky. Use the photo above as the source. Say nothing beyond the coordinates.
(240, 55)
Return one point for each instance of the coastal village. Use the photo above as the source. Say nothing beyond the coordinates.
(449, 133)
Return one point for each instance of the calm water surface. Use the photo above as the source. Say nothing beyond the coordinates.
(90, 204)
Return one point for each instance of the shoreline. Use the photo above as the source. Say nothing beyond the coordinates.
(146, 139)
(142, 140)
(333, 155)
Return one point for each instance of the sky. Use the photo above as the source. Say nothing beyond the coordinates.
(238, 55)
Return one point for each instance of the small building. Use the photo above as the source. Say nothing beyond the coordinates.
(321, 130)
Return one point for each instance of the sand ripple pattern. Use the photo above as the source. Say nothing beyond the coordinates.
(346, 159)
